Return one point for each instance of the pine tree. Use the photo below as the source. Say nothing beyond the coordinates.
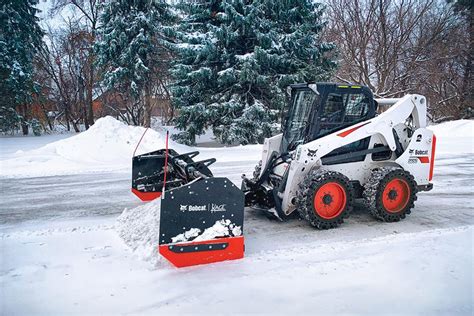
(9, 119)
(131, 39)
(20, 39)
(236, 59)
(194, 72)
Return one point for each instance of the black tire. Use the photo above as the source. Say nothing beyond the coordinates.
(307, 193)
(377, 203)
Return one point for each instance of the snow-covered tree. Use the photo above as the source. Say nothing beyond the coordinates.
(194, 71)
(9, 119)
(20, 39)
(236, 58)
(132, 38)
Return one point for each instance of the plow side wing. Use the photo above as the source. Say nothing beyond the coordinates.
(148, 174)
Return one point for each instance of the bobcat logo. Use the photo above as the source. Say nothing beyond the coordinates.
(312, 153)
(421, 152)
(192, 208)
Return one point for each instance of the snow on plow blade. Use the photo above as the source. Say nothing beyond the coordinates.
(202, 222)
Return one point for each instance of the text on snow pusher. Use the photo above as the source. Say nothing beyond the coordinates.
(201, 216)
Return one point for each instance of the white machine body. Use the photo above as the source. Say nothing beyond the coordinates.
(414, 143)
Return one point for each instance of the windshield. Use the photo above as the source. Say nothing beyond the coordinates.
(298, 119)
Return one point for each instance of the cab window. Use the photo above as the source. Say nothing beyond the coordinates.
(357, 106)
(341, 110)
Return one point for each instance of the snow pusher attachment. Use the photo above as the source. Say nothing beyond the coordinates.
(148, 172)
(201, 216)
(201, 222)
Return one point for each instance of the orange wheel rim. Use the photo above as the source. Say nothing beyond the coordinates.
(396, 195)
(330, 200)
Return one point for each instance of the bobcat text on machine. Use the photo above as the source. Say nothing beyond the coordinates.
(334, 148)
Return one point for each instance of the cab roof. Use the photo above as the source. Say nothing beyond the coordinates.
(335, 84)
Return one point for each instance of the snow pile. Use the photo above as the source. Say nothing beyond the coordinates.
(108, 145)
(140, 230)
(107, 141)
(455, 137)
(105, 147)
(459, 128)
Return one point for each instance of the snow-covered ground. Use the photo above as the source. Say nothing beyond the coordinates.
(84, 268)
(62, 249)
(14, 146)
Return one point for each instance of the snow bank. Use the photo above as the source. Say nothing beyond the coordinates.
(107, 145)
(459, 128)
(140, 230)
(107, 141)
(455, 137)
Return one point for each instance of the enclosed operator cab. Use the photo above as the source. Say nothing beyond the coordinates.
(317, 110)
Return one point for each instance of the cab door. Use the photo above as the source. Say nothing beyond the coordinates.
(342, 108)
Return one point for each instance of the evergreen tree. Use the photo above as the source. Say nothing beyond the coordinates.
(194, 72)
(236, 59)
(9, 119)
(20, 39)
(131, 40)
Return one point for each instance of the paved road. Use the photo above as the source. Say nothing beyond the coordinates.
(73, 196)
(64, 196)
(81, 195)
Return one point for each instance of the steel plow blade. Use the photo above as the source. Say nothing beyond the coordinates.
(202, 222)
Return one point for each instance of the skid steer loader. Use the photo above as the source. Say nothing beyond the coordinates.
(334, 148)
